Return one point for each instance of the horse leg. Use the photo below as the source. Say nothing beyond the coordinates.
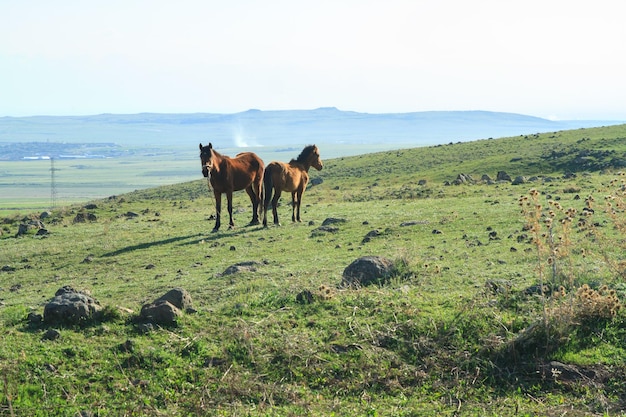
(218, 209)
(229, 199)
(294, 204)
(268, 188)
(277, 193)
(296, 199)
(266, 203)
(255, 204)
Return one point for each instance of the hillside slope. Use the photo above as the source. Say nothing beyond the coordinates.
(503, 299)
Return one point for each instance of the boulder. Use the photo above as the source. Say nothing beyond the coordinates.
(166, 309)
(503, 176)
(70, 306)
(161, 312)
(368, 270)
(178, 297)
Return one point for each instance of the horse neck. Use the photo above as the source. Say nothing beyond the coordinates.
(302, 165)
(217, 159)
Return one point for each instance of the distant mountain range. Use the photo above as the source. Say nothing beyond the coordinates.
(290, 128)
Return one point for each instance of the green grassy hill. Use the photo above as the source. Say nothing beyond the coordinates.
(504, 299)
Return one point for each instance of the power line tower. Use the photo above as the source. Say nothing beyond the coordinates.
(53, 185)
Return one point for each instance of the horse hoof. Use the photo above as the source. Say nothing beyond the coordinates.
(214, 230)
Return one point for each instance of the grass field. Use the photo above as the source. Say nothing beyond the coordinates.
(504, 300)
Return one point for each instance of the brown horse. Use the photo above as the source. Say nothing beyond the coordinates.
(292, 177)
(226, 175)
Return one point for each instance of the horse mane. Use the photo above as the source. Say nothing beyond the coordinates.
(304, 155)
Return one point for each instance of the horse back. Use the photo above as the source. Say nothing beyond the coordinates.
(238, 173)
(286, 177)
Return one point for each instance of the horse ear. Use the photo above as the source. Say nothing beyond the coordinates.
(210, 145)
(200, 145)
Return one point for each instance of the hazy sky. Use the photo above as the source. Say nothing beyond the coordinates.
(563, 59)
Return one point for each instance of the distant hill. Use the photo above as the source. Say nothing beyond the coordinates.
(290, 128)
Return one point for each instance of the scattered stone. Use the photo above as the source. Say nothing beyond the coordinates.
(178, 297)
(368, 237)
(88, 259)
(83, 217)
(51, 334)
(520, 179)
(367, 270)
(71, 307)
(161, 312)
(247, 266)
(569, 373)
(498, 286)
(166, 309)
(463, 179)
(7, 268)
(503, 176)
(25, 228)
(90, 206)
(333, 220)
(145, 327)
(413, 223)
(324, 229)
(128, 346)
(305, 297)
(34, 319)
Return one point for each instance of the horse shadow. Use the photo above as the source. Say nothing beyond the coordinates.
(147, 245)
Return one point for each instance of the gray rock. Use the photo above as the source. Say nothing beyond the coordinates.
(71, 307)
(368, 270)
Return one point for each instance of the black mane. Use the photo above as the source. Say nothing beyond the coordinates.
(304, 155)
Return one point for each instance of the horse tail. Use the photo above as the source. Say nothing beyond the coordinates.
(268, 187)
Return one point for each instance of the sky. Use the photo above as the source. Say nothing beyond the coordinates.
(557, 59)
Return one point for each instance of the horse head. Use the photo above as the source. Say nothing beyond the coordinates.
(206, 158)
(314, 158)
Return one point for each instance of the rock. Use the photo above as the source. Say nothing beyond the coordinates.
(71, 307)
(503, 176)
(374, 233)
(324, 229)
(51, 334)
(25, 228)
(161, 312)
(248, 266)
(305, 297)
(83, 217)
(520, 179)
(34, 319)
(333, 220)
(368, 270)
(463, 179)
(178, 297)
(166, 309)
